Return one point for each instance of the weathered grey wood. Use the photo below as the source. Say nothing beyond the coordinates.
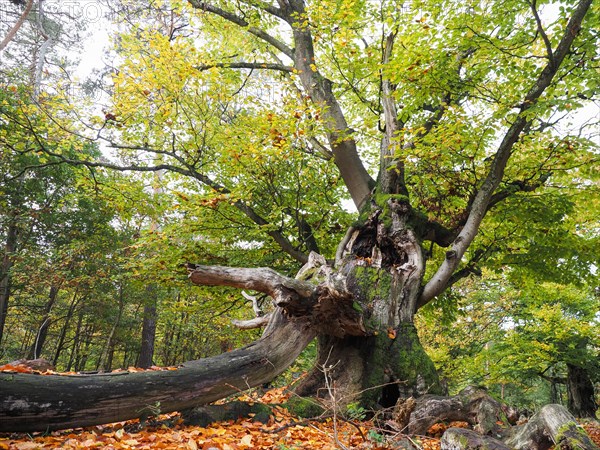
(472, 405)
(30, 402)
(463, 439)
(553, 424)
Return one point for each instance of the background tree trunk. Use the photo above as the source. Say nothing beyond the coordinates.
(580, 391)
(9, 248)
(40, 338)
(105, 361)
(65, 327)
(148, 329)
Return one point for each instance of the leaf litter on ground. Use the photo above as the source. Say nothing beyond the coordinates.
(283, 431)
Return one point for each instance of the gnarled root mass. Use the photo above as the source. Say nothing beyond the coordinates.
(553, 425)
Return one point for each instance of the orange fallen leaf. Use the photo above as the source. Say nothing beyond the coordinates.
(20, 368)
(26, 445)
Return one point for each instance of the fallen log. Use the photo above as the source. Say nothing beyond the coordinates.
(552, 425)
(31, 402)
(472, 405)
(463, 439)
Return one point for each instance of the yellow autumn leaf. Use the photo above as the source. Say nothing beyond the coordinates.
(246, 440)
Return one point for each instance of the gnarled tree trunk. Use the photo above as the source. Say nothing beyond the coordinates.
(363, 311)
(381, 268)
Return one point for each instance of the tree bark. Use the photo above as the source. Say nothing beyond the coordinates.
(40, 338)
(149, 328)
(7, 263)
(580, 390)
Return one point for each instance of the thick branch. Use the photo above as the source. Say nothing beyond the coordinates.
(326, 307)
(439, 281)
(244, 24)
(355, 176)
(13, 31)
(391, 167)
(277, 236)
(263, 279)
(247, 65)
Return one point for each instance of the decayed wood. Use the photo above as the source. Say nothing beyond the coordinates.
(552, 425)
(472, 405)
(463, 439)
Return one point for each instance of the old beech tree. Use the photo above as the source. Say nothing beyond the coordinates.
(433, 114)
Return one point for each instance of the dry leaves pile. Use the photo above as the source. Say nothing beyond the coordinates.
(24, 368)
(593, 430)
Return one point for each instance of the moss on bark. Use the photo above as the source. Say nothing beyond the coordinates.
(304, 407)
(412, 366)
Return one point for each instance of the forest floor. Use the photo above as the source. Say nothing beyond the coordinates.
(167, 431)
(282, 432)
